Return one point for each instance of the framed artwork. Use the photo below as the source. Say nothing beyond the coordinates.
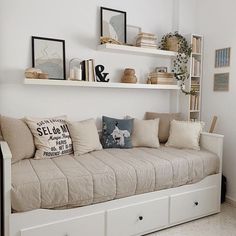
(221, 82)
(48, 55)
(222, 57)
(113, 24)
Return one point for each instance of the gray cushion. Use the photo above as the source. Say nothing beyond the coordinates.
(116, 133)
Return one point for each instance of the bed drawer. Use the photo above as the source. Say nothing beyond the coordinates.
(190, 205)
(88, 225)
(138, 219)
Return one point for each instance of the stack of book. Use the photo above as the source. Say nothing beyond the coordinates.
(194, 102)
(196, 45)
(146, 40)
(162, 78)
(88, 70)
(195, 87)
(196, 67)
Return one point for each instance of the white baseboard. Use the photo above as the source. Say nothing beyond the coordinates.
(231, 201)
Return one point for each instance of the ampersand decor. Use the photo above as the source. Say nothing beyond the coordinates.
(101, 76)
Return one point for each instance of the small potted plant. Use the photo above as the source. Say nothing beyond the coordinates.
(177, 43)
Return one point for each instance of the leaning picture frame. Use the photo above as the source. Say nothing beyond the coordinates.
(48, 55)
(113, 24)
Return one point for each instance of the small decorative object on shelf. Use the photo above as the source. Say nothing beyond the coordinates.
(161, 69)
(176, 42)
(34, 73)
(101, 76)
(146, 40)
(75, 69)
(129, 76)
(104, 40)
(113, 24)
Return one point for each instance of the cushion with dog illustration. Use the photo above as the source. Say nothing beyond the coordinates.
(116, 133)
(51, 136)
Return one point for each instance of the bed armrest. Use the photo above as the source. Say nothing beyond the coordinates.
(6, 155)
(214, 143)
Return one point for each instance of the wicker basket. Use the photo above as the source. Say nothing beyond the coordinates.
(172, 44)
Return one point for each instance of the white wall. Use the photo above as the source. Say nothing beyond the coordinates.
(216, 22)
(78, 22)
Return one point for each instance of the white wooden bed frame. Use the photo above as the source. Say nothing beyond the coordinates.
(135, 215)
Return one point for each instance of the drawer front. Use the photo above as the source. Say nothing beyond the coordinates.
(187, 206)
(89, 225)
(138, 219)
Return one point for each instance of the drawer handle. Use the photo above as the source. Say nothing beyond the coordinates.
(196, 203)
(140, 217)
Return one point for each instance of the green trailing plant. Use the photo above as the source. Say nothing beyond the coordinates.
(180, 63)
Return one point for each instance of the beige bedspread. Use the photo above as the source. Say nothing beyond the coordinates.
(105, 175)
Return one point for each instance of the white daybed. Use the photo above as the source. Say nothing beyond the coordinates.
(133, 215)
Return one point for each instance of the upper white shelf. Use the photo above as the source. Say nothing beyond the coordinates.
(99, 84)
(135, 50)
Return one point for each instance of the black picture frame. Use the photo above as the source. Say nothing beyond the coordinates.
(55, 73)
(124, 30)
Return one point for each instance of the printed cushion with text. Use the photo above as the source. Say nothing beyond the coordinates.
(51, 136)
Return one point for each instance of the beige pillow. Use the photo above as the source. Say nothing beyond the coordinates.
(184, 134)
(85, 136)
(145, 133)
(1, 137)
(51, 136)
(19, 138)
(164, 123)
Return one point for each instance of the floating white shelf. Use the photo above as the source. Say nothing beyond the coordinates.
(99, 84)
(135, 50)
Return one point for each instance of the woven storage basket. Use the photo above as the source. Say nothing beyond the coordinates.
(172, 44)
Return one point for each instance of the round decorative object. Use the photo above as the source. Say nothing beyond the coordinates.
(129, 76)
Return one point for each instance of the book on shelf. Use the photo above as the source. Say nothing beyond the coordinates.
(88, 70)
(196, 67)
(196, 45)
(194, 102)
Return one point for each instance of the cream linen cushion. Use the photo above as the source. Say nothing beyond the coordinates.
(19, 138)
(51, 136)
(84, 136)
(184, 134)
(145, 133)
(164, 123)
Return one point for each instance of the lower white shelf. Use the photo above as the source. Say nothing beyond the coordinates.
(99, 84)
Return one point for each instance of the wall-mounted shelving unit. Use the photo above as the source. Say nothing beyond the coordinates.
(135, 50)
(190, 105)
(99, 84)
